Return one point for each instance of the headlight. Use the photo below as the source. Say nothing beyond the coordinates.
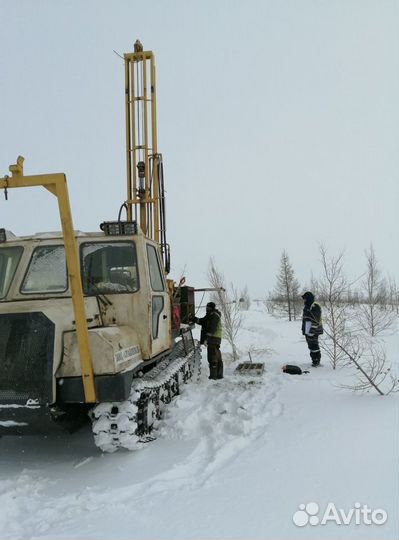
(119, 228)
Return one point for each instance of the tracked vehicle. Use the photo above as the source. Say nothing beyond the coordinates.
(90, 326)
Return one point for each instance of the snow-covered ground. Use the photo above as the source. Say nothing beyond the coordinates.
(233, 459)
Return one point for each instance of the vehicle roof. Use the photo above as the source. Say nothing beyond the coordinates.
(57, 235)
(50, 235)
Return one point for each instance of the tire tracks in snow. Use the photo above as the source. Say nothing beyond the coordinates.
(224, 420)
(221, 419)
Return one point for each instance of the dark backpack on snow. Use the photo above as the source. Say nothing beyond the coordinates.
(293, 370)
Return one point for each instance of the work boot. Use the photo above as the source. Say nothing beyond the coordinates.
(316, 357)
(220, 370)
(213, 372)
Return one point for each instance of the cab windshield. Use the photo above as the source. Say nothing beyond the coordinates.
(9, 259)
(47, 271)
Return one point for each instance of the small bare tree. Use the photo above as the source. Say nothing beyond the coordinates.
(332, 288)
(229, 303)
(297, 304)
(352, 297)
(314, 286)
(372, 317)
(245, 300)
(269, 304)
(287, 287)
(393, 295)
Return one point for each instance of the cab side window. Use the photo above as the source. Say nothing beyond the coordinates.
(109, 267)
(9, 259)
(157, 308)
(156, 276)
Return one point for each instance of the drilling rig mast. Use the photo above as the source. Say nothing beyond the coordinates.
(145, 185)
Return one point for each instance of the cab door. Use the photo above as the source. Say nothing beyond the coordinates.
(160, 323)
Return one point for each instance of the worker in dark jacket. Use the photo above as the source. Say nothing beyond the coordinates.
(312, 326)
(211, 336)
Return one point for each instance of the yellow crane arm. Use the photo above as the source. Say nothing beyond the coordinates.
(57, 185)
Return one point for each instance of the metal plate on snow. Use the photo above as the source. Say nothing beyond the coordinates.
(250, 368)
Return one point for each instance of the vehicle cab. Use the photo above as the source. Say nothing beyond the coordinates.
(127, 306)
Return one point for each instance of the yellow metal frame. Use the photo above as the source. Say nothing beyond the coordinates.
(141, 141)
(57, 185)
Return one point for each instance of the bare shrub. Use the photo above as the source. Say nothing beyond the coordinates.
(332, 288)
(245, 300)
(393, 295)
(229, 303)
(257, 354)
(372, 316)
(372, 371)
(269, 304)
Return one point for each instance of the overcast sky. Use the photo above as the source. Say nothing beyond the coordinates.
(278, 125)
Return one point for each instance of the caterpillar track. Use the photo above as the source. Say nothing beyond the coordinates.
(129, 424)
